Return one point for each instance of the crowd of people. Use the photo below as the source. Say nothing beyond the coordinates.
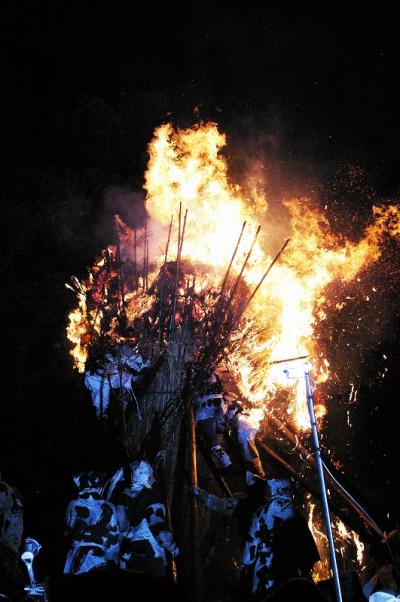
(118, 529)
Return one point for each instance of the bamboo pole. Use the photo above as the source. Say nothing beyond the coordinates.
(233, 291)
(168, 240)
(307, 485)
(232, 259)
(219, 331)
(161, 292)
(159, 468)
(183, 233)
(144, 248)
(181, 236)
(147, 264)
(120, 277)
(178, 247)
(265, 275)
(308, 457)
(135, 256)
(288, 467)
(194, 508)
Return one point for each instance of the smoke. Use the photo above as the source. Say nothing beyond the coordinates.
(125, 219)
(127, 203)
(134, 240)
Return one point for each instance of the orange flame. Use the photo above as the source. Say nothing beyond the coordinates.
(186, 166)
(347, 543)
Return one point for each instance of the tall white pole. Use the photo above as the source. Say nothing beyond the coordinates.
(321, 478)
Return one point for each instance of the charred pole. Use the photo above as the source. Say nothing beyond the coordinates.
(308, 457)
(120, 277)
(181, 236)
(168, 240)
(145, 249)
(160, 312)
(220, 330)
(225, 280)
(308, 486)
(265, 274)
(178, 247)
(194, 508)
(135, 256)
(147, 264)
(234, 288)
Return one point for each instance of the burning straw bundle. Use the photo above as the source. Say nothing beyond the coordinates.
(152, 337)
(181, 327)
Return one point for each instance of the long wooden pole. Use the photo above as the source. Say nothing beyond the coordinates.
(233, 291)
(232, 259)
(265, 274)
(145, 249)
(168, 240)
(135, 257)
(314, 491)
(308, 457)
(194, 508)
(288, 467)
(178, 261)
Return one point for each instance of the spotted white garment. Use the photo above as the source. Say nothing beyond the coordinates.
(146, 540)
(126, 368)
(99, 387)
(142, 514)
(92, 524)
(258, 549)
(209, 402)
(383, 597)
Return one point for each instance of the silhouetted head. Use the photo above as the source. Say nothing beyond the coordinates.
(90, 481)
(296, 589)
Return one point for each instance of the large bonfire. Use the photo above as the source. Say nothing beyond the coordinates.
(201, 284)
(201, 223)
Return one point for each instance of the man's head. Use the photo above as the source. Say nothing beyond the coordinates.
(142, 475)
(90, 482)
(280, 489)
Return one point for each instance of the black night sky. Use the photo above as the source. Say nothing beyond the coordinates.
(311, 90)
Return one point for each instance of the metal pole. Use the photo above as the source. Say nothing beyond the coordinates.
(324, 498)
(310, 460)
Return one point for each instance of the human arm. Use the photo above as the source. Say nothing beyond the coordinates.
(225, 506)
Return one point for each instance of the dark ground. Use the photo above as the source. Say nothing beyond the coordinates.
(313, 93)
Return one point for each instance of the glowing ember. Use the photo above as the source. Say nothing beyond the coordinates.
(186, 167)
(321, 569)
(360, 547)
(347, 543)
(78, 331)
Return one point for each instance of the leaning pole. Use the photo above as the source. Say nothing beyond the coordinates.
(195, 527)
(321, 479)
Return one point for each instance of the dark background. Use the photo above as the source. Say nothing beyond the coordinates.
(312, 91)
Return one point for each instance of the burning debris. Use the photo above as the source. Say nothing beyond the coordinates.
(135, 286)
(197, 294)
